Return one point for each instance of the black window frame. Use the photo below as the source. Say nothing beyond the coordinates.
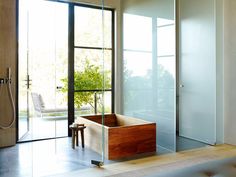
(71, 56)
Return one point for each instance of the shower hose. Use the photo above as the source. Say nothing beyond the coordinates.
(11, 102)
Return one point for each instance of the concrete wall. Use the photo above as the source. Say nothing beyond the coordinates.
(230, 71)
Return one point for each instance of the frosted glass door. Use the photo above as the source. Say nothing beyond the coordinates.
(197, 70)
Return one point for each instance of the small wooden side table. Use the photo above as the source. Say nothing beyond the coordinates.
(75, 136)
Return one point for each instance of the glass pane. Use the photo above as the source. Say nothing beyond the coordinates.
(89, 29)
(100, 104)
(164, 22)
(149, 66)
(107, 102)
(92, 74)
(137, 81)
(89, 69)
(23, 123)
(137, 69)
(166, 71)
(165, 106)
(166, 40)
(94, 104)
(47, 66)
(135, 28)
(82, 106)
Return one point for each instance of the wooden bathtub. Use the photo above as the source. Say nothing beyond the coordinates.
(124, 136)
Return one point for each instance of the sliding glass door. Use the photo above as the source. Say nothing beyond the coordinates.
(43, 58)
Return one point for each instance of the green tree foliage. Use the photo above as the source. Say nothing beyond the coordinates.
(91, 78)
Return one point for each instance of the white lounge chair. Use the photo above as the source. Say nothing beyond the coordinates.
(43, 112)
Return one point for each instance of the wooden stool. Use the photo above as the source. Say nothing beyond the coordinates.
(75, 136)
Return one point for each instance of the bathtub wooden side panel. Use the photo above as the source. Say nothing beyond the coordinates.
(109, 120)
(93, 135)
(130, 140)
(127, 121)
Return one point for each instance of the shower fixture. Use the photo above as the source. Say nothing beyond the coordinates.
(7, 81)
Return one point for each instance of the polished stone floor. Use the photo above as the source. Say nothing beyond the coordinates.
(55, 156)
(183, 144)
(44, 158)
(48, 157)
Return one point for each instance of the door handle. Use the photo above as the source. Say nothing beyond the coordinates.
(181, 85)
(59, 87)
(28, 80)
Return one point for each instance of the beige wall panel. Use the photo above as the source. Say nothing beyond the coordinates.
(7, 59)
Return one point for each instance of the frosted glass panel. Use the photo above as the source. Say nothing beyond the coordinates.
(163, 22)
(165, 101)
(137, 81)
(167, 67)
(137, 63)
(198, 70)
(149, 66)
(166, 40)
(135, 28)
(166, 80)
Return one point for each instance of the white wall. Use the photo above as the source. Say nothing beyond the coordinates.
(230, 71)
